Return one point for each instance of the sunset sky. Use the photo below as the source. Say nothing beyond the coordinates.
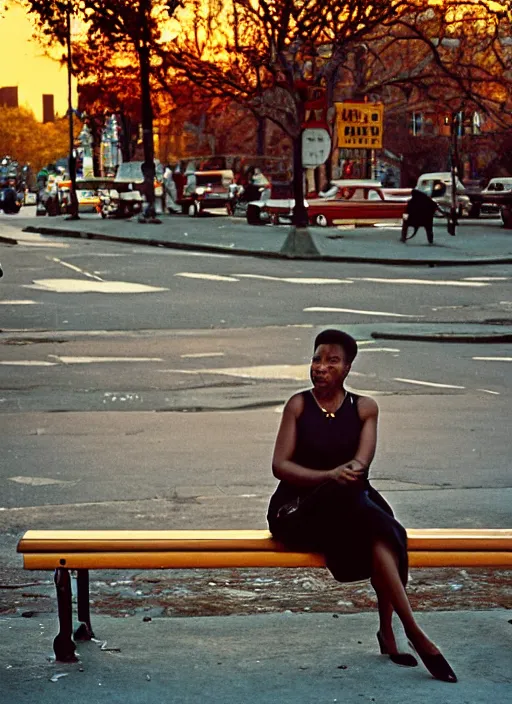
(24, 64)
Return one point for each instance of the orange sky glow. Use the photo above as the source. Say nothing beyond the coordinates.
(27, 66)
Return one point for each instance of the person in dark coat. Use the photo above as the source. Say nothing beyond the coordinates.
(325, 503)
(420, 212)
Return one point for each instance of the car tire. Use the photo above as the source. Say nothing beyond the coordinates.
(194, 210)
(253, 215)
(474, 211)
(321, 220)
(506, 216)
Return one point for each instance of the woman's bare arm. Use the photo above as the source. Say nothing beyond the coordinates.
(282, 465)
(369, 415)
(357, 468)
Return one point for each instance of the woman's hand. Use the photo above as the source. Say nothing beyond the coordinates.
(349, 473)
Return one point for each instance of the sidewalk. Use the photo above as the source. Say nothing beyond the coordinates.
(477, 241)
(261, 659)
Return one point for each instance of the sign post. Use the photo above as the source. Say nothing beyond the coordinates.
(359, 126)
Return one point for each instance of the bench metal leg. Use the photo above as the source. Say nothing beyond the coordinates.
(84, 630)
(63, 644)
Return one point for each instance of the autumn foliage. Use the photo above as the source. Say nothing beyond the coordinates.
(30, 142)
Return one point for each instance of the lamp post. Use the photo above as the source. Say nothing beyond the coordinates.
(71, 158)
(453, 217)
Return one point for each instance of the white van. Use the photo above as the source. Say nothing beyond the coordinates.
(442, 181)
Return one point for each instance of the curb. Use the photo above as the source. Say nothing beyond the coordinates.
(263, 254)
(8, 240)
(65, 336)
(444, 337)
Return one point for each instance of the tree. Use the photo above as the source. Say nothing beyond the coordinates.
(270, 54)
(32, 142)
(127, 26)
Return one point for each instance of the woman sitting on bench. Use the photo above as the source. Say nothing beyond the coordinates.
(325, 503)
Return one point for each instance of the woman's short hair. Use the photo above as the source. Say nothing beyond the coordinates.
(338, 337)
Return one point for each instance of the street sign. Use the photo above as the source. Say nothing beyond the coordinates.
(359, 125)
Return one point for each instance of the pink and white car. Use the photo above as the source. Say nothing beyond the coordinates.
(345, 201)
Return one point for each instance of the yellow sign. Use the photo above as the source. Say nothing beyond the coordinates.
(359, 125)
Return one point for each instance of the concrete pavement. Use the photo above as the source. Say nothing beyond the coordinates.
(281, 658)
(286, 658)
(477, 241)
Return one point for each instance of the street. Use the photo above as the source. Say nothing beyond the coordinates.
(141, 387)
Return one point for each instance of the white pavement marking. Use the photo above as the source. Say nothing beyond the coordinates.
(28, 363)
(74, 268)
(486, 278)
(493, 359)
(52, 245)
(205, 277)
(297, 372)
(96, 360)
(181, 371)
(421, 282)
(295, 279)
(38, 481)
(429, 383)
(159, 252)
(488, 391)
(78, 286)
(199, 355)
(320, 309)
(18, 303)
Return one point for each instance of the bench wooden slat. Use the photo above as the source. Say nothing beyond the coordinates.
(240, 559)
(434, 539)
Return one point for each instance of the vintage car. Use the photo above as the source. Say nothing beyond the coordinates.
(343, 201)
(489, 201)
(438, 186)
(206, 189)
(88, 192)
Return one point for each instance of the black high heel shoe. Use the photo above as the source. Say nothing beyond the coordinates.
(437, 665)
(404, 659)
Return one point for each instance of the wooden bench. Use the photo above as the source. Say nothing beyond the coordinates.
(83, 550)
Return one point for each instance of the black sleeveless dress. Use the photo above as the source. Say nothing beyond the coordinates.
(340, 522)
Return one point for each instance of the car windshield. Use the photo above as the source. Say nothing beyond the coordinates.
(208, 179)
(94, 185)
(132, 171)
(503, 185)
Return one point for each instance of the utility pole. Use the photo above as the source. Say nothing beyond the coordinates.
(71, 158)
(453, 218)
(143, 51)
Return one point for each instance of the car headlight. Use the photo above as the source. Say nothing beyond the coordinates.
(200, 191)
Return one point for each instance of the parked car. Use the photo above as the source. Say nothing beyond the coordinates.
(88, 192)
(205, 190)
(129, 181)
(438, 185)
(343, 200)
(240, 195)
(483, 203)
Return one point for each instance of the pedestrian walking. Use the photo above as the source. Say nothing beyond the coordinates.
(420, 212)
